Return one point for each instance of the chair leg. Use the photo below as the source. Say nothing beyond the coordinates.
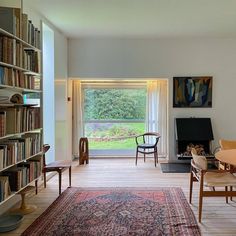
(44, 179)
(144, 157)
(157, 155)
(155, 159)
(136, 156)
(70, 176)
(59, 173)
(36, 186)
(200, 200)
(191, 187)
(226, 198)
(231, 189)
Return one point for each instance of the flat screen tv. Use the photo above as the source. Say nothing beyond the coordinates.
(193, 129)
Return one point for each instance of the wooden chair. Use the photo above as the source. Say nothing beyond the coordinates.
(211, 179)
(58, 166)
(147, 144)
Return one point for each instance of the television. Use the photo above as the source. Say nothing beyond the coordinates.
(193, 129)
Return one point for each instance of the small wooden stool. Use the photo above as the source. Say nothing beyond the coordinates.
(58, 166)
(24, 208)
(83, 151)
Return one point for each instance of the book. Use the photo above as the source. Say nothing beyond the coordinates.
(11, 120)
(1, 74)
(5, 190)
(2, 123)
(25, 27)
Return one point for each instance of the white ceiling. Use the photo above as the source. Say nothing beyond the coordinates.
(140, 18)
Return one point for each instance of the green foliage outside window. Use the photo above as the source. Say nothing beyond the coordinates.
(115, 104)
(109, 105)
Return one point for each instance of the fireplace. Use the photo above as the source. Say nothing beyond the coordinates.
(193, 133)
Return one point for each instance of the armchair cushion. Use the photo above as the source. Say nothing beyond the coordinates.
(217, 179)
(146, 145)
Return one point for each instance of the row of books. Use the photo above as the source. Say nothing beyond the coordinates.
(17, 78)
(30, 33)
(17, 120)
(22, 174)
(15, 150)
(32, 61)
(33, 144)
(13, 52)
(13, 21)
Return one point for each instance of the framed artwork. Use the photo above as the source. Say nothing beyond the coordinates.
(192, 91)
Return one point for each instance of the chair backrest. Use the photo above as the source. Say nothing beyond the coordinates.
(152, 137)
(46, 147)
(199, 161)
(227, 144)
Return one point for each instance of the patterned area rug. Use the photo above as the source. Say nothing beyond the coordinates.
(117, 211)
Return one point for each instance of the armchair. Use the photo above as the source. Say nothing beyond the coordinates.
(147, 144)
(209, 178)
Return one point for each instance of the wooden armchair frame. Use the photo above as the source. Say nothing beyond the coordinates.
(147, 148)
(197, 175)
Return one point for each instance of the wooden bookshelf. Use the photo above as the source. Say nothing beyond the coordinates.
(20, 124)
(27, 45)
(20, 134)
(26, 72)
(19, 89)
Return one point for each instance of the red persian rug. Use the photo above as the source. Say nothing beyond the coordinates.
(117, 211)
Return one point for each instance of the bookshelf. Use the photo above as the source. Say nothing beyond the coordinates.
(20, 123)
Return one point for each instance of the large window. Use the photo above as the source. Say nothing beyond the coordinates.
(113, 115)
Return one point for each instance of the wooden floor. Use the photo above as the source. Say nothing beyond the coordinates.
(219, 218)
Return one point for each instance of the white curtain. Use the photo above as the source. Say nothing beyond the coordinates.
(77, 118)
(156, 115)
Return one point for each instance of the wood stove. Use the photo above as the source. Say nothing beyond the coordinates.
(193, 132)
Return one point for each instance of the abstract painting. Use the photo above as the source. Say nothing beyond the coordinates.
(192, 91)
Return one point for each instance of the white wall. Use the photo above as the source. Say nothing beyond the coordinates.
(60, 73)
(62, 106)
(165, 58)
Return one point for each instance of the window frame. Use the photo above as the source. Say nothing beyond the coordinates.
(110, 85)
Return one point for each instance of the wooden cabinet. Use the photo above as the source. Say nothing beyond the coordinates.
(20, 102)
